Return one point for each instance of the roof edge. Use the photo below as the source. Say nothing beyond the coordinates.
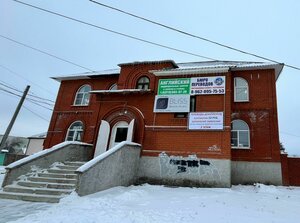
(149, 62)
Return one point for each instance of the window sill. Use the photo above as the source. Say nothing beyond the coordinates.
(241, 101)
(79, 105)
(243, 148)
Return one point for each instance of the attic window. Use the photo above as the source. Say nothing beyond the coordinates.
(143, 83)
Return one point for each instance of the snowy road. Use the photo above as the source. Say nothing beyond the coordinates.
(143, 204)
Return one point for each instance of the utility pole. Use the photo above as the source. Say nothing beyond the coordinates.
(5, 136)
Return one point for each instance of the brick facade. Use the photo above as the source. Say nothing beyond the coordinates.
(158, 132)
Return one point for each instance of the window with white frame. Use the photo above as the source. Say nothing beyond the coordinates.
(75, 132)
(240, 134)
(113, 87)
(241, 90)
(143, 83)
(83, 95)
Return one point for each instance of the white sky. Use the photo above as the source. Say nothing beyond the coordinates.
(267, 28)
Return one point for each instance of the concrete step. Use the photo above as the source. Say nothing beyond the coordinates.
(74, 163)
(67, 167)
(52, 180)
(30, 197)
(35, 190)
(46, 185)
(58, 175)
(60, 171)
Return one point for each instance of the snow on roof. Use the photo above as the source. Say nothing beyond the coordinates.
(88, 75)
(148, 62)
(185, 68)
(38, 136)
(219, 67)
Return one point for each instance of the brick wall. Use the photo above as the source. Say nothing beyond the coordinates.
(159, 132)
(260, 113)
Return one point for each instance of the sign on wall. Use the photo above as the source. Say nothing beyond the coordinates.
(206, 121)
(172, 103)
(174, 86)
(208, 85)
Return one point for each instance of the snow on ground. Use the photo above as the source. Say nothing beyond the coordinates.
(147, 203)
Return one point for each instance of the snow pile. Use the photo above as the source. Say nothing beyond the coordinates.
(146, 203)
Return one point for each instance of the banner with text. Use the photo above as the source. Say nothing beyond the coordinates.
(174, 86)
(208, 85)
(206, 121)
(172, 103)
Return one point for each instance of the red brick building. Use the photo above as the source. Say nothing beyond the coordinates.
(203, 123)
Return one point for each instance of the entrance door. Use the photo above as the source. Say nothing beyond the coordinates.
(121, 132)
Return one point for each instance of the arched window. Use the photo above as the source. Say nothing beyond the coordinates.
(75, 131)
(113, 87)
(240, 134)
(143, 83)
(241, 90)
(83, 96)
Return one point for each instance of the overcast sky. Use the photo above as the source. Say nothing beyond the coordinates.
(267, 28)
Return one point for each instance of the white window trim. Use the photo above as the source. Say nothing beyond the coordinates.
(113, 87)
(235, 90)
(74, 131)
(81, 104)
(241, 147)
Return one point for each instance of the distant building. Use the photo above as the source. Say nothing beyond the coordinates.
(15, 145)
(199, 123)
(35, 143)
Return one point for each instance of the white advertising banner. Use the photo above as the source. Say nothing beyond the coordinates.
(208, 85)
(206, 121)
(172, 103)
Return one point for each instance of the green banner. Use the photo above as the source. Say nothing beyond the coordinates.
(174, 86)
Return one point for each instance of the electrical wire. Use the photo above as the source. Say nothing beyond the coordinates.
(191, 35)
(41, 117)
(44, 52)
(27, 108)
(30, 95)
(27, 99)
(115, 32)
(286, 133)
(21, 76)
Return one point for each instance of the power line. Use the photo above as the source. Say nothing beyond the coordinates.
(28, 99)
(41, 102)
(44, 52)
(38, 104)
(286, 133)
(9, 94)
(41, 117)
(21, 76)
(191, 35)
(30, 95)
(115, 32)
(2, 89)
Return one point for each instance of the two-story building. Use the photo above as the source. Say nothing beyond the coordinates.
(200, 123)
